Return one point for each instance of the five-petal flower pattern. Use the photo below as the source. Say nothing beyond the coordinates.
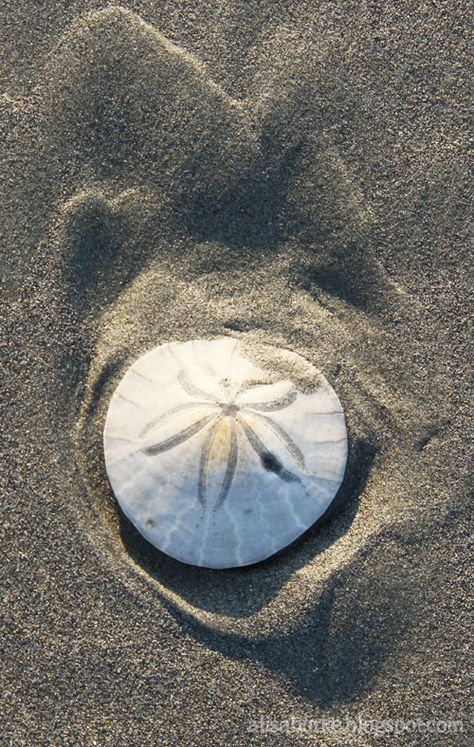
(228, 415)
(222, 451)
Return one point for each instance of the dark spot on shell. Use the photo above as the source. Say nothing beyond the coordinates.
(271, 463)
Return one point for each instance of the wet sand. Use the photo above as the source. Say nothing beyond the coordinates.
(282, 174)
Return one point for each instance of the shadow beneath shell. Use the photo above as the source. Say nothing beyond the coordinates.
(347, 635)
(241, 592)
(346, 638)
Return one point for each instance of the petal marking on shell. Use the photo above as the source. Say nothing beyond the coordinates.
(269, 461)
(166, 416)
(190, 388)
(204, 463)
(231, 465)
(277, 404)
(178, 438)
(283, 436)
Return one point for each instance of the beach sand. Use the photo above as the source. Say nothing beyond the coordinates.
(290, 173)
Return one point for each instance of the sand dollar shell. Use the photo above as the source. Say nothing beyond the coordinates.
(221, 456)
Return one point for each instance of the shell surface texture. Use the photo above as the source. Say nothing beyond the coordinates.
(217, 456)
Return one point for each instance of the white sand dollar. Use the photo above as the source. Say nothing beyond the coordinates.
(222, 454)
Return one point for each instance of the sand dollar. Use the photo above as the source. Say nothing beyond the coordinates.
(222, 454)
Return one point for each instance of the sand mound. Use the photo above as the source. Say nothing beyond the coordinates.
(122, 101)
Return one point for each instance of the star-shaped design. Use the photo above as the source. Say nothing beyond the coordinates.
(227, 408)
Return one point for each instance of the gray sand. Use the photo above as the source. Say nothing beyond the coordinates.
(284, 173)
